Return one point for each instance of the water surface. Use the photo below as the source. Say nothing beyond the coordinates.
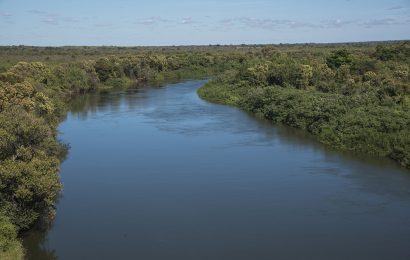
(157, 173)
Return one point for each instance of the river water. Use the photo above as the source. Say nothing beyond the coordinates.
(158, 173)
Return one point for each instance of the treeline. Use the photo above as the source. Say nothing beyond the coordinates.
(32, 98)
(352, 98)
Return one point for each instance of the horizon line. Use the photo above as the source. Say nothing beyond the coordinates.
(208, 45)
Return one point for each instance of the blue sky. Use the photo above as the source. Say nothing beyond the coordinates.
(186, 22)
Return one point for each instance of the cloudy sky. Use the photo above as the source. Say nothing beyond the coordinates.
(186, 22)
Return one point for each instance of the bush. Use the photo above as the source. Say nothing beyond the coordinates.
(108, 68)
(339, 58)
(26, 71)
(10, 246)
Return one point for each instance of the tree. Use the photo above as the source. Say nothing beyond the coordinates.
(108, 68)
(305, 76)
(27, 71)
(339, 58)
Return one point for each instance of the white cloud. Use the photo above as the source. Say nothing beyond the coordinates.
(338, 23)
(187, 20)
(153, 20)
(49, 20)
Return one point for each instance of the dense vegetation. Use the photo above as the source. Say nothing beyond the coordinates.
(352, 96)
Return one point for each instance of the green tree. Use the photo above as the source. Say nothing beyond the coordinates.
(339, 58)
(305, 76)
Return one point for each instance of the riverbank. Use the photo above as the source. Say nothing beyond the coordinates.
(357, 101)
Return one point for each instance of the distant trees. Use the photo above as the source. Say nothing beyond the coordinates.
(141, 68)
(257, 74)
(339, 58)
(305, 76)
(393, 52)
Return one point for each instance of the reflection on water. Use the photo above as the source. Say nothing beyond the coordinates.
(157, 173)
(36, 243)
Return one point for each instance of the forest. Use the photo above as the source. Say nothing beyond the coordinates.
(353, 96)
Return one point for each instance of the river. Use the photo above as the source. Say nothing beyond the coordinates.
(158, 173)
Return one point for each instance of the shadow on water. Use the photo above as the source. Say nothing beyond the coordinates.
(36, 242)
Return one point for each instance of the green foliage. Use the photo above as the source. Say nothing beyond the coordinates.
(108, 68)
(305, 76)
(339, 58)
(343, 74)
(74, 79)
(10, 246)
(393, 52)
(8, 232)
(116, 83)
(26, 71)
(29, 181)
(29, 187)
(257, 74)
